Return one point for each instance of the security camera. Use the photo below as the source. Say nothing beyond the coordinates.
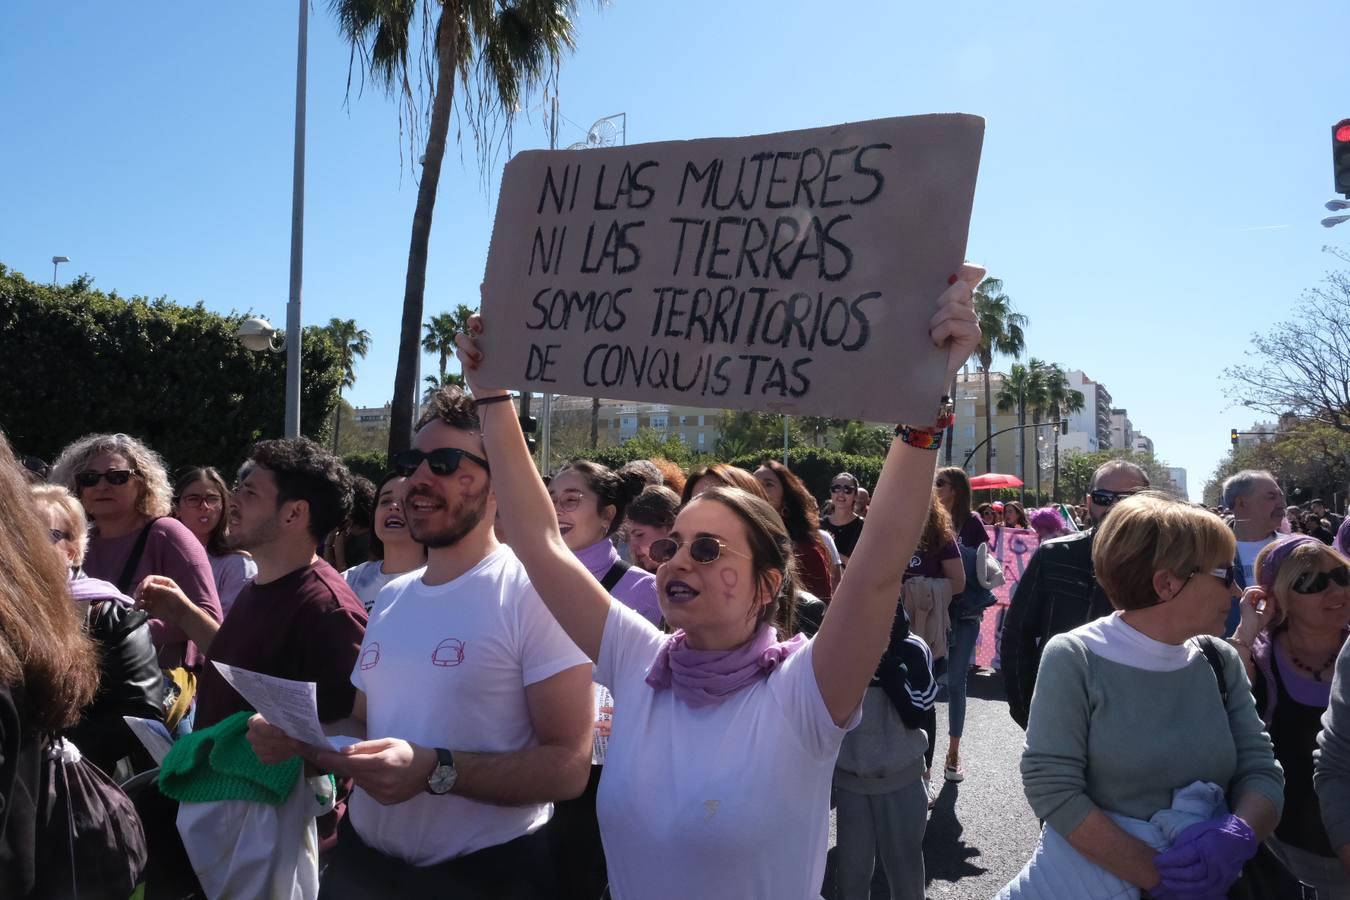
(257, 334)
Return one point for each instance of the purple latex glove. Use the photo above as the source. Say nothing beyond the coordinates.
(1205, 859)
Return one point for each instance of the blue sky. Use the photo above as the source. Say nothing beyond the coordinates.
(1150, 192)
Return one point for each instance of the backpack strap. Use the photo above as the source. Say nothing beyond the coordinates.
(614, 575)
(1216, 663)
(124, 580)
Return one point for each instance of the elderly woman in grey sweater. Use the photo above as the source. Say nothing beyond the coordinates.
(1127, 709)
(1331, 775)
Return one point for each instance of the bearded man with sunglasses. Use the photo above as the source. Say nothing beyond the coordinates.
(1059, 590)
(477, 703)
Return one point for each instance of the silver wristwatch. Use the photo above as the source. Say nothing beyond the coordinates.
(442, 778)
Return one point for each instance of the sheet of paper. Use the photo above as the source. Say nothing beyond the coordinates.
(292, 706)
(152, 735)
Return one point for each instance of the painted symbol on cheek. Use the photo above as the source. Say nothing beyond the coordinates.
(466, 481)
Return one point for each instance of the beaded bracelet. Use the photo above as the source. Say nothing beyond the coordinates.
(929, 438)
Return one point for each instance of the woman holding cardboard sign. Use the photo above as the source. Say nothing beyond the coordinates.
(725, 735)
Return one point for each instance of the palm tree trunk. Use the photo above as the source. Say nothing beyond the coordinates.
(445, 356)
(414, 289)
(337, 419)
(595, 421)
(988, 420)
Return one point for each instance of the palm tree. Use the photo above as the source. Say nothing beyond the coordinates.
(440, 337)
(354, 343)
(1062, 401)
(500, 51)
(1001, 331)
(434, 384)
(1023, 390)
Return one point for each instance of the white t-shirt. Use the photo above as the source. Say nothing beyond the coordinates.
(447, 666)
(369, 578)
(831, 547)
(1111, 637)
(727, 801)
(1247, 552)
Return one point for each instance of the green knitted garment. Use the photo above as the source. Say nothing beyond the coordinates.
(217, 763)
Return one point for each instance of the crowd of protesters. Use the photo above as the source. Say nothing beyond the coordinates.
(647, 683)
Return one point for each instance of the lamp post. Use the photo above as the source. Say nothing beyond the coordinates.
(56, 261)
(293, 336)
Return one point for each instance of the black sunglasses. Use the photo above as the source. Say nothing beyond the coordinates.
(1107, 498)
(841, 488)
(703, 550)
(36, 466)
(443, 461)
(116, 477)
(1316, 582)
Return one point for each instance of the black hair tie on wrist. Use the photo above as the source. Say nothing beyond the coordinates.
(500, 398)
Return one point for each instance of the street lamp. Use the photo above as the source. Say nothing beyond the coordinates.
(1337, 205)
(258, 334)
(56, 261)
(1333, 221)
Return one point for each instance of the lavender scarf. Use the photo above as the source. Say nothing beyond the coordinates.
(707, 677)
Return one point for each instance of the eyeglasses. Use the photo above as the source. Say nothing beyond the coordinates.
(940, 483)
(1317, 582)
(841, 489)
(116, 477)
(568, 501)
(1227, 574)
(703, 550)
(202, 501)
(443, 461)
(1108, 498)
(58, 535)
(36, 466)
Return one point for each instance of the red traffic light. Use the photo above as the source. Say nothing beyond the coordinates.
(1342, 132)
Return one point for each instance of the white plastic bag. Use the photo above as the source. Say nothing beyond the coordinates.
(243, 849)
(988, 569)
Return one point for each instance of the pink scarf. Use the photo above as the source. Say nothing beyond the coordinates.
(707, 677)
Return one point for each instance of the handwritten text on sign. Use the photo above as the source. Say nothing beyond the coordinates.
(794, 272)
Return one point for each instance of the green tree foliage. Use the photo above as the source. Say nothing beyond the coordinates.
(646, 444)
(353, 342)
(741, 432)
(857, 439)
(373, 464)
(77, 360)
(1308, 458)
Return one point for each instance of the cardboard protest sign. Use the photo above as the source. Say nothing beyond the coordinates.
(792, 272)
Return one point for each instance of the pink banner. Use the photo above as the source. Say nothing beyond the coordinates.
(1012, 547)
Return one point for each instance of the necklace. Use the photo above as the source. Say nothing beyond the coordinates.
(1317, 672)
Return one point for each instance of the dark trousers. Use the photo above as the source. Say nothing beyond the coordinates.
(578, 855)
(517, 870)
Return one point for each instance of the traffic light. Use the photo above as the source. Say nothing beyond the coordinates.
(1063, 426)
(529, 425)
(1233, 436)
(1340, 155)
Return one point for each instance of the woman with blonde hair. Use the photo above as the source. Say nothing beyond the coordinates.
(48, 673)
(1128, 716)
(1293, 624)
(130, 682)
(124, 489)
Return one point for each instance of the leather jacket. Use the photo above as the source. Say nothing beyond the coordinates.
(1057, 593)
(130, 683)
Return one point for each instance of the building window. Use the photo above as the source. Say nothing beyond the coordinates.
(970, 431)
(659, 422)
(700, 425)
(701, 438)
(628, 422)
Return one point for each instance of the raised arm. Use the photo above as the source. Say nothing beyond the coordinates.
(858, 625)
(570, 592)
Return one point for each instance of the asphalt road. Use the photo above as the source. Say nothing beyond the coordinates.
(982, 831)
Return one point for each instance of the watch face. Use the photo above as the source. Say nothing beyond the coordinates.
(441, 780)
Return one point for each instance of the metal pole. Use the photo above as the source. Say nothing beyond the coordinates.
(546, 425)
(293, 335)
(54, 265)
(785, 439)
